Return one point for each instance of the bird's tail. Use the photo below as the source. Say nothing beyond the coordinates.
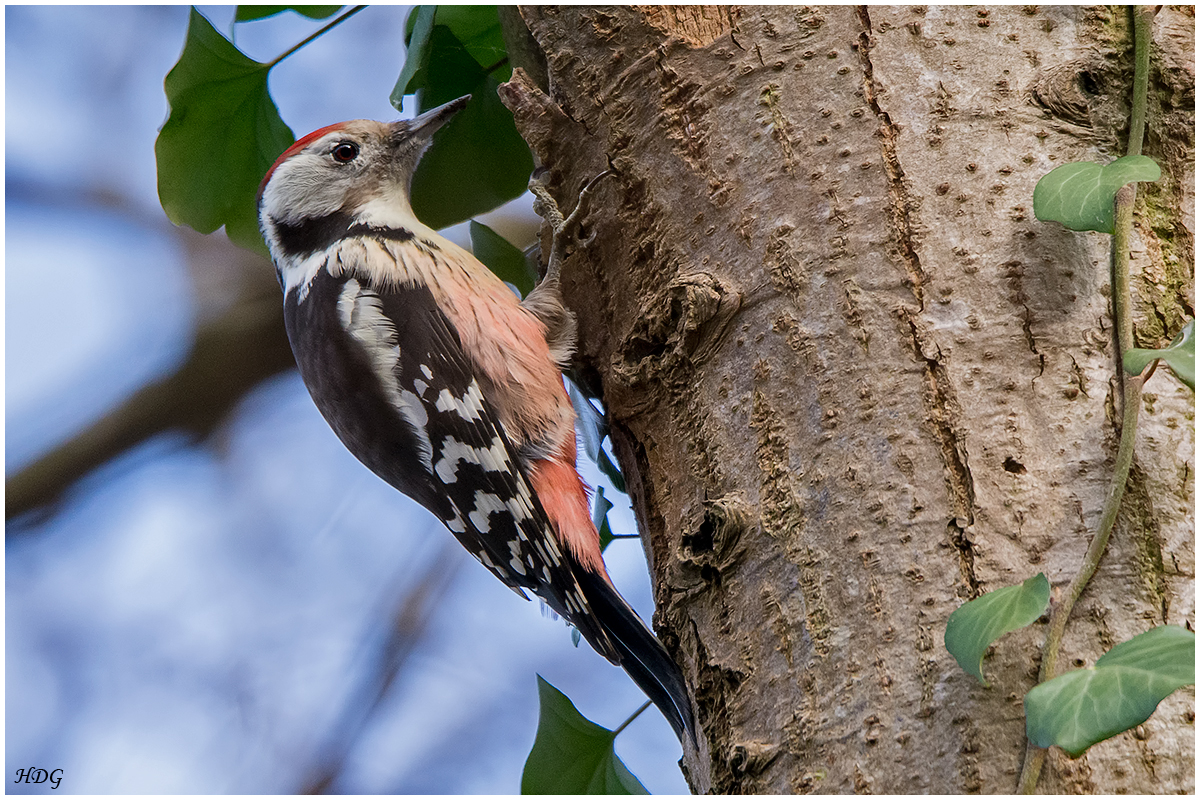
(641, 655)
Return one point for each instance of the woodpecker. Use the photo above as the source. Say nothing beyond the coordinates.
(442, 382)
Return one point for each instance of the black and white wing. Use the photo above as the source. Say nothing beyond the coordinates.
(388, 372)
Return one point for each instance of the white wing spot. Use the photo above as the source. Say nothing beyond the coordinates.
(573, 597)
(552, 547)
(469, 406)
(428, 372)
(493, 459)
(485, 504)
(456, 524)
(515, 549)
(520, 511)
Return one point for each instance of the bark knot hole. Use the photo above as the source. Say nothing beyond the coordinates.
(1014, 466)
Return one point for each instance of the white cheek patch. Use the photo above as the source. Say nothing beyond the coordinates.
(492, 459)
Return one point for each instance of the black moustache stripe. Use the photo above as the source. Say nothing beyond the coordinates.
(299, 239)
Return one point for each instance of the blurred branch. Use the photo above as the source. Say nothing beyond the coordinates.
(232, 354)
(409, 621)
(239, 343)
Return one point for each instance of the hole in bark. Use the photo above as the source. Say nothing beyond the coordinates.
(1088, 83)
(1014, 466)
(638, 348)
(738, 759)
(710, 576)
(702, 540)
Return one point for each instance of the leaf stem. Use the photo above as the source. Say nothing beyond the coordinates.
(1131, 387)
(632, 717)
(1143, 18)
(325, 28)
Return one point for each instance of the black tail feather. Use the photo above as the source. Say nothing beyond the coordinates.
(642, 656)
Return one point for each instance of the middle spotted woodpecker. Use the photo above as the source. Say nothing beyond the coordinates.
(437, 378)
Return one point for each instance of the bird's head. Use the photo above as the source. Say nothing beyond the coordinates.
(355, 172)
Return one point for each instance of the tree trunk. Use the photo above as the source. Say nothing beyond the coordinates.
(853, 382)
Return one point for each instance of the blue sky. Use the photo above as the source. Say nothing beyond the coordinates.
(197, 617)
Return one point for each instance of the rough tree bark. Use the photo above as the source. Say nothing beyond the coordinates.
(853, 382)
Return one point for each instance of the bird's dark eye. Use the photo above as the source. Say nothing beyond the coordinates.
(345, 152)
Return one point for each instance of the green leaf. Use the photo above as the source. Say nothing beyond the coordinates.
(474, 29)
(611, 471)
(571, 754)
(975, 625)
(1180, 356)
(498, 255)
(251, 13)
(222, 135)
(1085, 706)
(416, 56)
(1081, 195)
(601, 505)
(478, 29)
(478, 161)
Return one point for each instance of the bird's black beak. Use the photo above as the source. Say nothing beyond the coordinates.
(424, 126)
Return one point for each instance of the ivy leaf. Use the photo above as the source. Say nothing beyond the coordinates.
(975, 625)
(222, 135)
(252, 13)
(501, 257)
(1086, 706)
(1081, 195)
(571, 754)
(1180, 356)
(601, 505)
(478, 161)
